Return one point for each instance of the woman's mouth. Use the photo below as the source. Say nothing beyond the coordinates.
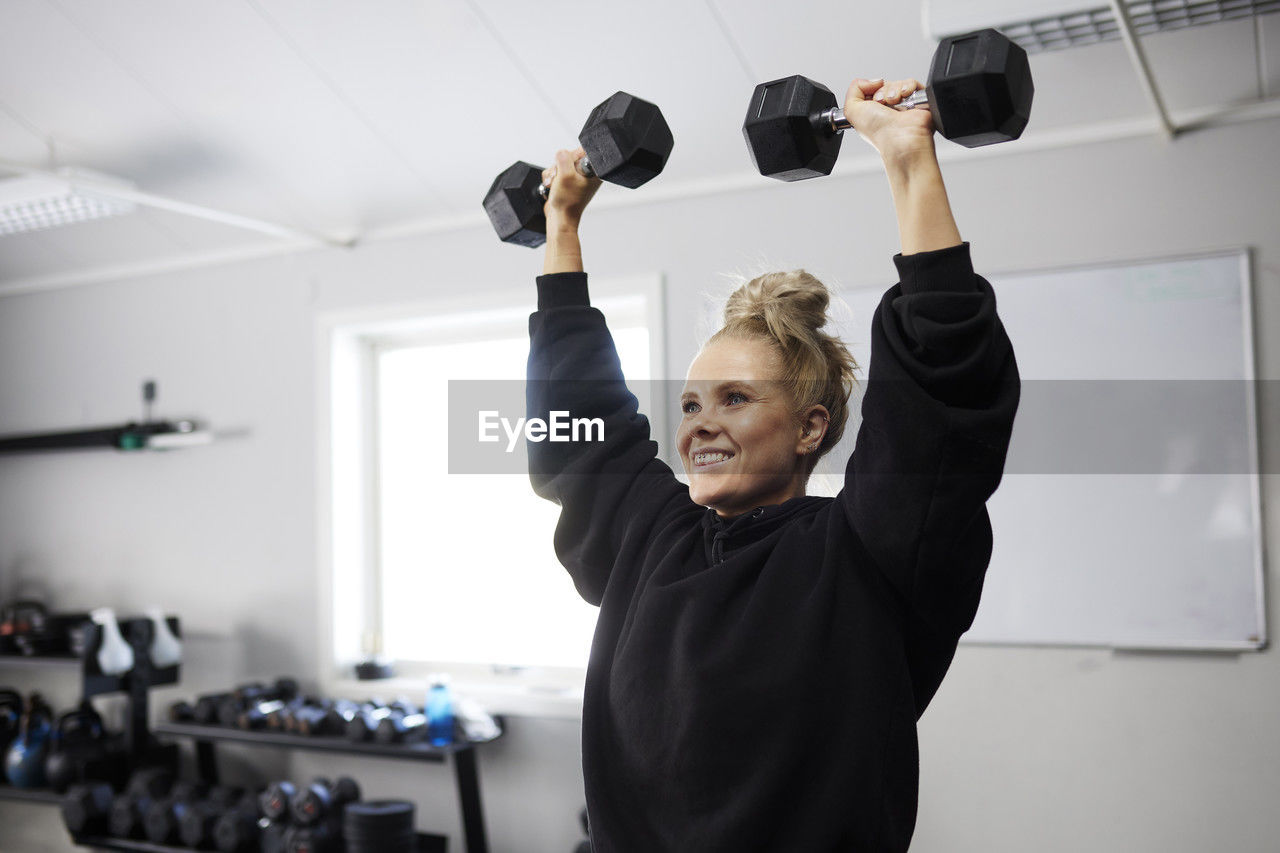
(704, 459)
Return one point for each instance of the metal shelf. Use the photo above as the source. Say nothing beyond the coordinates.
(426, 843)
(43, 796)
(463, 758)
(37, 661)
(409, 751)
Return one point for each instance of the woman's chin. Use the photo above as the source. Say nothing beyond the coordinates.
(709, 490)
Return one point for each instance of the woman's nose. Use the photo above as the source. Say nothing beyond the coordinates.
(703, 425)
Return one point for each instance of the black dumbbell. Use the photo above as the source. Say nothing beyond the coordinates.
(401, 728)
(318, 838)
(381, 826)
(205, 710)
(125, 820)
(86, 809)
(236, 829)
(129, 808)
(274, 802)
(308, 720)
(322, 800)
(272, 836)
(336, 717)
(162, 821)
(979, 93)
(197, 824)
(365, 721)
(182, 712)
(243, 698)
(269, 714)
(286, 719)
(627, 141)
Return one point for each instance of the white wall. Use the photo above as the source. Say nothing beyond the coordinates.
(1023, 749)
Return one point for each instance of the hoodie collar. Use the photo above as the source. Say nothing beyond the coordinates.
(749, 527)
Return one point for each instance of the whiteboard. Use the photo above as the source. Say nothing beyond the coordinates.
(1129, 513)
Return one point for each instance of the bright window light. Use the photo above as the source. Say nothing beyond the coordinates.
(467, 570)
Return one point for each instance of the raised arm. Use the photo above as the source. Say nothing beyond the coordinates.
(905, 142)
(611, 486)
(570, 192)
(942, 391)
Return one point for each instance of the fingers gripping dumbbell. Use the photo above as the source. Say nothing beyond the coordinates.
(979, 93)
(627, 141)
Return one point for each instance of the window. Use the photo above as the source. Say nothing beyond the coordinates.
(440, 570)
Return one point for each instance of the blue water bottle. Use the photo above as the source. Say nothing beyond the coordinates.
(440, 711)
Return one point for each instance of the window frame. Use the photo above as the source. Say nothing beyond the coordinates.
(347, 344)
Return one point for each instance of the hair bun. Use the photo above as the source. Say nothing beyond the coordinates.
(789, 310)
(785, 304)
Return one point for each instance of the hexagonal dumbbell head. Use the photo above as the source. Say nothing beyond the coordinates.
(781, 130)
(514, 206)
(980, 88)
(627, 140)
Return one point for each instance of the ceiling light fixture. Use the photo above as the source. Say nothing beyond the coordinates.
(43, 198)
(1056, 24)
(34, 202)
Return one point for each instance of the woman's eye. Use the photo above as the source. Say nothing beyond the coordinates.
(735, 398)
(688, 407)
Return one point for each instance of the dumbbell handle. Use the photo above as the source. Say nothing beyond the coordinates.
(834, 118)
(583, 166)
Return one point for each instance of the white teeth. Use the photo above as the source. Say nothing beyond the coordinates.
(708, 458)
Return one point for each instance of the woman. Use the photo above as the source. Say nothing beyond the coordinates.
(761, 657)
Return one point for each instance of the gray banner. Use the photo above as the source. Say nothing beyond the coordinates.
(1062, 426)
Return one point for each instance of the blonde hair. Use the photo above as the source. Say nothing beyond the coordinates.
(788, 310)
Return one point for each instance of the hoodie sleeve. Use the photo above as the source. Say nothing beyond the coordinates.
(611, 491)
(936, 420)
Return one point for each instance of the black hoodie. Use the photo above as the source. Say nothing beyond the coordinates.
(754, 684)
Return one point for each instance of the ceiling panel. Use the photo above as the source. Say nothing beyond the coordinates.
(143, 236)
(1270, 31)
(26, 255)
(19, 141)
(1083, 85)
(831, 43)
(1203, 66)
(57, 80)
(340, 115)
(671, 52)
(231, 77)
(433, 82)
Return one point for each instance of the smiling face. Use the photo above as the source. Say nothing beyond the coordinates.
(739, 438)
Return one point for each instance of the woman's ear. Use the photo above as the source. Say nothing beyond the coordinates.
(814, 424)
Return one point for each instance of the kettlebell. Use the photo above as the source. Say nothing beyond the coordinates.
(10, 716)
(76, 740)
(24, 764)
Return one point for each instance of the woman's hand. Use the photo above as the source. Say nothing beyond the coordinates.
(570, 191)
(904, 139)
(569, 194)
(899, 135)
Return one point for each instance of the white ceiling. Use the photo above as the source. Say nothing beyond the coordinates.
(347, 117)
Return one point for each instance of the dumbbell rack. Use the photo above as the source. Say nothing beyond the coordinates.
(462, 755)
(136, 683)
(425, 843)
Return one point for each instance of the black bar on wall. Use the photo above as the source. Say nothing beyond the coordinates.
(98, 437)
(130, 436)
